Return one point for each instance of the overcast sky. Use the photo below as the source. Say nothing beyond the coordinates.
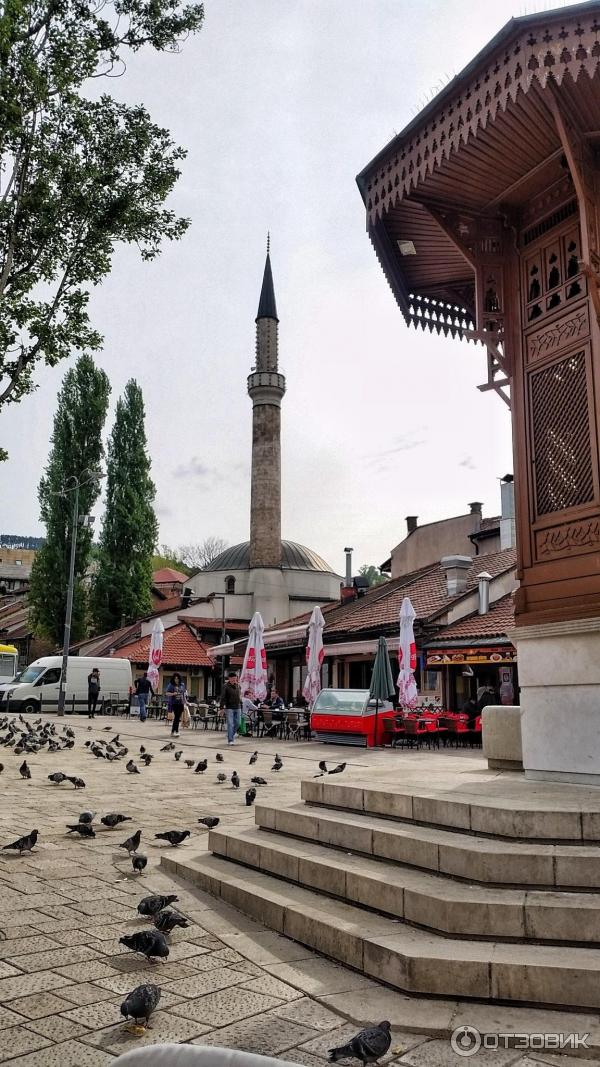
(280, 103)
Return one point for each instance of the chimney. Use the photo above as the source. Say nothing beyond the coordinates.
(187, 596)
(348, 581)
(456, 568)
(507, 517)
(484, 580)
(411, 523)
(475, 508)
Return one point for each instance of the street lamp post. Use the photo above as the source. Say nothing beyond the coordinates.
(221, 597)
(76, 483)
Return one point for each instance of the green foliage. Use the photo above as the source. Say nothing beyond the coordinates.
(76, 447)
(372, 574)
(122, 586)
(168, 557)
(78, 176)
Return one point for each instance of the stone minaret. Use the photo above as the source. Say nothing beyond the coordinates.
(266, 387)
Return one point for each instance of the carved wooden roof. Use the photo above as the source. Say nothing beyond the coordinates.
(486, 144)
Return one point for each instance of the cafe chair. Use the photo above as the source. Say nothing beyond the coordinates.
(293, 726)
(268, 726)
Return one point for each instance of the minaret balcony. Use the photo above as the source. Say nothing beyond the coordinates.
(266, 385)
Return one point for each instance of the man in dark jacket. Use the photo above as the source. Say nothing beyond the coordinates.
(231, 700)
(144, 690)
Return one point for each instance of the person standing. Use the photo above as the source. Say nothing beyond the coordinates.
(144, 690)
(231, 700)
(176, 694)
(93, 691)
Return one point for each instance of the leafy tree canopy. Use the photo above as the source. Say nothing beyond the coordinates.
(372, 574)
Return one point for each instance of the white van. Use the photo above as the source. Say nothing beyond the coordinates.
(36, 688)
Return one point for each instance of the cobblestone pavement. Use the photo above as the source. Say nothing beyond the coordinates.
(227, 981)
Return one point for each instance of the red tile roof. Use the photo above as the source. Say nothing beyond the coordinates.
(168, 576)
(102, 643)
(180, 649)
(215, 624)
(498, 620)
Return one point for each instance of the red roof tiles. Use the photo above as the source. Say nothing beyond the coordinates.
(180, 649)
(168, 576)
(495, 623)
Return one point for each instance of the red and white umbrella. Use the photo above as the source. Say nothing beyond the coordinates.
(407, 658)
(253, 679)
(156, 652)
(314, 656)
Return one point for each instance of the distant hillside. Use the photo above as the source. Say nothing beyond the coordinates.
(20, 541)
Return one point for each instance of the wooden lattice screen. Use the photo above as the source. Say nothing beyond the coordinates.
(561, 431)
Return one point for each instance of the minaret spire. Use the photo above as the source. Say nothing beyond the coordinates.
(266, 387)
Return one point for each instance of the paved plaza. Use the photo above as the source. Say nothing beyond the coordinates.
(228, 980)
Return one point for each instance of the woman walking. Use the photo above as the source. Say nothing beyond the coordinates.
(177, 696)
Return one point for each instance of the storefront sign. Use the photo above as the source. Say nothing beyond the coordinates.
(463, 656)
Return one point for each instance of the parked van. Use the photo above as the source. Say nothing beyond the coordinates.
(37, 686)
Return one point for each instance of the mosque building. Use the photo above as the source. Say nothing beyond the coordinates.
(280, 579)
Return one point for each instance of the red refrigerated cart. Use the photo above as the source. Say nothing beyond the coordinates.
(349, 717)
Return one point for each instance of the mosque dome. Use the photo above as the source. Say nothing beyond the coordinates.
(294, 557)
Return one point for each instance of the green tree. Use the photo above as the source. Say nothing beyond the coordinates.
(77, 175)
(76, 447)
(372, 574)
(122, 586)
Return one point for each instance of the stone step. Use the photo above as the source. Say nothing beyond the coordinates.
(434, 901)
(459, 855)
(552, 817)
(407, 958)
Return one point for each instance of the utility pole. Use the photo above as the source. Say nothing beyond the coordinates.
(74, 487)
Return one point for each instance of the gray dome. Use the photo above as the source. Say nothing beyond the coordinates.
(295, 557)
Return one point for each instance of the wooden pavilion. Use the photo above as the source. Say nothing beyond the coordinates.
(483, 213)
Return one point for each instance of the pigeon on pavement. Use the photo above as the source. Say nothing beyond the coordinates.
(156, 902)
(57, 777)
(278, 764)
(132, 767)
(253, 758)
(81, 828)
(174, 837)
(322, 768)
(167, 920)
(221, 778)
(140, 1003)
(219, 757)
(189, 762)
(250, 797)
(259, 781)
(178, 754)
(24, 844)
(149, 942)
(24, 770)
(87, 816)
(138, 862)
(210, 821)
(77, 782)
(370, 1045)
(132, 843)
(201, 767)
(338, 770)
(235, 780)
(114, 818)
(168, 747)
(147, 759)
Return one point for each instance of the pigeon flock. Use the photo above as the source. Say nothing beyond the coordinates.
(29, 738)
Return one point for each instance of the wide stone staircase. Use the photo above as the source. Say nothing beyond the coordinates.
(453, 896)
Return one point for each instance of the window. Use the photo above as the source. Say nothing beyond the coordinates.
(230, 585)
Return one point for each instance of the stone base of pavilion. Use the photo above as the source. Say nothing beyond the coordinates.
(461, 885)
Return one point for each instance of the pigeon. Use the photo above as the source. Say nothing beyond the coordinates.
(69, 733)
(219, 757)
(57, 777)
(147, 759)
(235, 780)
(210, 821)
(132, 767)
(167, 920)
(178, 755)
(77, 782)
(139, 862)
(24, 770)
(259, 781)
(338, 770)
(140, 1003)
(250, 797)
(114, 818)
(24, 844)
(148, 942)
(322, 768)
(142, 750)
(109, 728)
(132, 843)
(221, 778)
(1, 767)
(87, 816)
(174, 837)
(115, 740)
(253, 758)
(277, 765)
(201, 767)
(81, 828)
(368, 1046)
(157, 902)
(89, 728)
(189, 762)
(168, 747)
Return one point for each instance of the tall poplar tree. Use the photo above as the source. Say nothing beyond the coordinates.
(122, 586)
(76, 447)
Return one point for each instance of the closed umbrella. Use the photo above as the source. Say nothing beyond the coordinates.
(253, 679)
(156, 652)
(314, 657)
(407, 658)
(382, 679)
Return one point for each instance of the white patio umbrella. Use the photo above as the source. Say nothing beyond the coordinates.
(156, 652)
(314, 657)
(407, 657)
(253, 678)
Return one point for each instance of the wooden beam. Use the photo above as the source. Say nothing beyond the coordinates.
(574, 148)
(456, 241)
